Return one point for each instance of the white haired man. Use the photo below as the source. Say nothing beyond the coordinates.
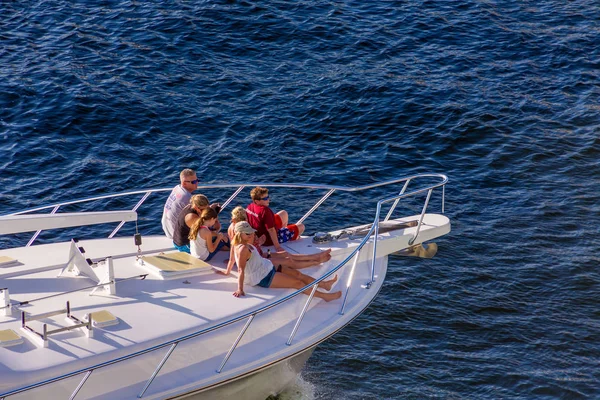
(179, 198)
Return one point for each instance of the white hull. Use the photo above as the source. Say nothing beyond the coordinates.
(258, 385)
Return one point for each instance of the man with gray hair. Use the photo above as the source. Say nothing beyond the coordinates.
(178, 199)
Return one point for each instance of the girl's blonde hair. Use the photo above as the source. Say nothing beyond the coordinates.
(207, 213)
(237, 239)
(239, 214)
(199, 200)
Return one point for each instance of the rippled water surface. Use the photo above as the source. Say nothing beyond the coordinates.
(503, 97)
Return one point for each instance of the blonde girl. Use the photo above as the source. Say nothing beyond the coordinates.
(238, 214)
(295, 261)
(255, 270)
(204, 243)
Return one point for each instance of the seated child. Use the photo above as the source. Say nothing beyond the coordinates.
(204, 243)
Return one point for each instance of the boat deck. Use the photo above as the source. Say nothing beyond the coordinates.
(153, 311)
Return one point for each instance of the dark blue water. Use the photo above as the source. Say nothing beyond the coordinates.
(504, 97)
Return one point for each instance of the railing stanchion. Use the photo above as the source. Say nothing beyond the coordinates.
(157, 370)
(376, 235)
(233, 196)
(139, 203)
(78, 388)
(389, 214)
(443, 197)
(301, 220)
(310, 297)
(35, 235)
(411, 241)
(349, 284)
(235, 343)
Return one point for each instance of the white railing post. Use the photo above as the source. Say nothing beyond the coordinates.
(301, 220)
(389, 214)
(411, 241)
(443, 198)
(233, 196)
(78, 388)
(157, 370)
(299, 320)
(230, 352)
(376, 235)
(139, 203)
(35, 235)
(350, 278)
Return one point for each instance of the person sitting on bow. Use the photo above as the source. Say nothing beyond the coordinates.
(294, 261)
(255, 270)
(186, 219)
(274, 226)
(179, 197)
(203, 243)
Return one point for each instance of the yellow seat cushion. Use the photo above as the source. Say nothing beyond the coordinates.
(103, 318)
(6, 261)
(8, 337)
(178, 261)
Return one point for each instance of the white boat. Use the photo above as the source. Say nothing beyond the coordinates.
(164, 326)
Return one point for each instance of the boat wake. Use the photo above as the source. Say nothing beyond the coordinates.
(299, 390)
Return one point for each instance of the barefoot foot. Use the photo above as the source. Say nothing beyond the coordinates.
(328, 284)
(332, 296)
(325, 255)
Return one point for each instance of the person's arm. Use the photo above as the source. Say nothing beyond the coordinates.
(273, 234)
(231, 261)
(207, 236)
(230, 264)
(217, 226)
(190, 218)
(241, 256)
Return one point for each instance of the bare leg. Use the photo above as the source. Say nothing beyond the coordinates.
(286, 281)
(284, 217)
(300, 228)
(291, 263)
(299, 261)
(308, 279)
(323, 256)
(302, 264)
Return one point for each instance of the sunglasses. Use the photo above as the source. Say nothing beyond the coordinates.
(265, 198)
(194, 182)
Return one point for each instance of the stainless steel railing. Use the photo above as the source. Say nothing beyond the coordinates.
(249, 317)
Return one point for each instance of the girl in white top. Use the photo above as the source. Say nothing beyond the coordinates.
(295, 261)
(203, 242)
(258, 271)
